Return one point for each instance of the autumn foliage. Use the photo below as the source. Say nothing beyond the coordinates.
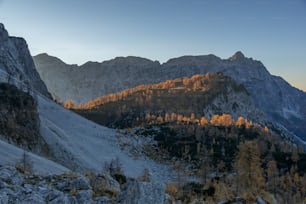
(233, 157)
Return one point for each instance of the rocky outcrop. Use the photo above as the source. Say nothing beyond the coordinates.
(19, 120)
(16, 187)
(16, 64)
(3, 34)
(142, 192)
(282, 103)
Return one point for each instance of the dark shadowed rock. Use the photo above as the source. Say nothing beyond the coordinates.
(19, 120)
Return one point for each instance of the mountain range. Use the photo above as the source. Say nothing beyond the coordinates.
(282, 103)
(203, 137)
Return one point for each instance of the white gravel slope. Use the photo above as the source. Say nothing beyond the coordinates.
(83, 145)
(11, 155)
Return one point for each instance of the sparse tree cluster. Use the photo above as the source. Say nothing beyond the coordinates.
(242, 160)
(233, 157)
(249, 174)
(198, 82)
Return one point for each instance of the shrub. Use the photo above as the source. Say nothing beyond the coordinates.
(171, 189)
(146, 176)
(73, 192)
(121, 178)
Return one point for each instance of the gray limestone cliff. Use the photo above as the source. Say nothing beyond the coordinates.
(16, 64)
(19, 82)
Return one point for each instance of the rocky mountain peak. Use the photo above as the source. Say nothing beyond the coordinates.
(133, 60)
(43, 55)
(16, 64)
(237, 56)
(3, 33)
(50, 59)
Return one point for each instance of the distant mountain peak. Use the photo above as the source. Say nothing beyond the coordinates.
(50, 58)
(44, 55)
(237, 56)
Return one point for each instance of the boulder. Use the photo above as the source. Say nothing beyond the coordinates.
(142, 192)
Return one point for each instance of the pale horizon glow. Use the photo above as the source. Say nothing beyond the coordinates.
(77, 31)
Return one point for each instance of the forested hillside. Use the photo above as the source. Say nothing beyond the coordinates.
(207, 127)
(198, 96)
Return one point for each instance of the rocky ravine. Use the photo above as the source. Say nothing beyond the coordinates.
(274, 96)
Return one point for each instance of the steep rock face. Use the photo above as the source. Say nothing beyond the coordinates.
(19, 120)
(274, 96)
(16, 64)
(19, 84)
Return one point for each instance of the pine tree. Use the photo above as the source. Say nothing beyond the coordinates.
(167, 117)
(240, 121)
(248, 169)
(272, 174)
(25, 163)
(226, 120)
(204, 165)
(203, 121)
(69, 104)
(294, 155)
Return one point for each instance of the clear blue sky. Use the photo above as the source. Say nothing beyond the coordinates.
(273, 31)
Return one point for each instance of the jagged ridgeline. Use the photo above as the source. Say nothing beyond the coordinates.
(282, 103)
(195, 97)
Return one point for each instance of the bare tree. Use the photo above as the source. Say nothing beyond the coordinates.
(113, 167)
(145, 176)
(25, 165)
